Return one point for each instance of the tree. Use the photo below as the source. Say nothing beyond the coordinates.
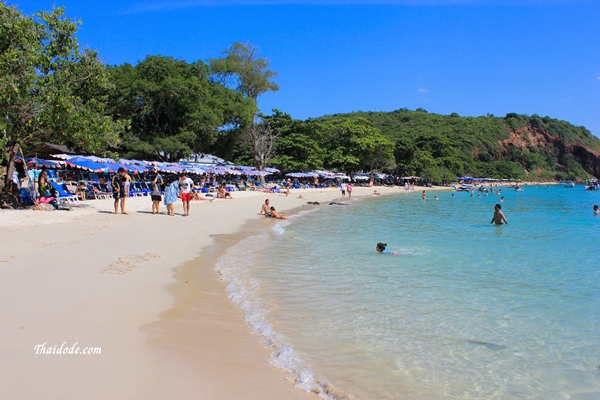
(297, 145)
(354, 145)
(262, 141)
(173, 107)
(49, 89)
(242, 69)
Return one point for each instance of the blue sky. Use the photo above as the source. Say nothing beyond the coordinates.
(471, 57)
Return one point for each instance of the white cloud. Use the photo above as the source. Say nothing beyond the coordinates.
(422, 90)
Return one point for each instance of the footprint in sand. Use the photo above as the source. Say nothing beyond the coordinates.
(128, 263)
(95, 230)
(45, 245)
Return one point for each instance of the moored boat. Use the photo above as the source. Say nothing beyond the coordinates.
(569, 184)
(591, 184)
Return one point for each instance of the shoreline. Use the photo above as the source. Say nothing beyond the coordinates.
(101, 280)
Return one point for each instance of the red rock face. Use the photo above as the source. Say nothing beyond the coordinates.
(526, 137)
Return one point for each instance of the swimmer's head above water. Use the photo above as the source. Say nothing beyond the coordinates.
(381, 249)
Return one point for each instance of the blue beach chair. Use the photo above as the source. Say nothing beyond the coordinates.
(63, 195)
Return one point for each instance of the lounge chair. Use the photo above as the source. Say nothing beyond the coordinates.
(63, 194)
(98, 193)
(136, 189)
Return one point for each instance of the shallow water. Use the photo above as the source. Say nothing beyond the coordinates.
(467, 310)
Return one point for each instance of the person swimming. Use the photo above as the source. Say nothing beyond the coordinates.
(381, 249)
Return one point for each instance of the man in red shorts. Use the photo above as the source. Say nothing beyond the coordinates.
(185, 187)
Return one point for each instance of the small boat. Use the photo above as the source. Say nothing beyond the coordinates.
(465, 188)
(591, 184)
(569, 184)
(482, 188)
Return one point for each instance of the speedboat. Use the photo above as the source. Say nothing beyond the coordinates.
(518, 188)
(591, 184)
(569, 184)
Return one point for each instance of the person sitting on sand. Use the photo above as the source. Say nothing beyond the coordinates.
(498, 217)
(223, 194)
(265, 208)
(274, 214)
(381, 249)
(376, 193)
(596, 210)
(51, 200)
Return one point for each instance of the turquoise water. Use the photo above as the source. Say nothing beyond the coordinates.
(467, 310)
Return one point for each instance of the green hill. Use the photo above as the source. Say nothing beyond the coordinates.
(440, 147)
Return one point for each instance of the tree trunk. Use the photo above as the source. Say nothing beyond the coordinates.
(10, 165)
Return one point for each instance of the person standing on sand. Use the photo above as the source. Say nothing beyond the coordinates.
(343, 190)
(265, 208)
(185, 186)
(127, 182)
(118, 187)
(596, 210)
(349, 188)
(171, 195)
(288, 186)
(156, 193)
(498, 217)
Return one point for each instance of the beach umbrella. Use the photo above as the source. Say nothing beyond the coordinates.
(38, 163)
(100, 160)
(135, 162)
(65, 156)
(84, 163)
(257, 173)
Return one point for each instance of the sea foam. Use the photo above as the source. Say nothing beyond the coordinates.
(244, 290)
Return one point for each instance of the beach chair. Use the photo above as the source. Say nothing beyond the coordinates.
(138, 189)
(63, 194)
(98, 193)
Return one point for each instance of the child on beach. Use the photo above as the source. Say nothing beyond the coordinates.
(381, 249)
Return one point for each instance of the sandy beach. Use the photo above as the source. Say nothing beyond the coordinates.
(143, 289)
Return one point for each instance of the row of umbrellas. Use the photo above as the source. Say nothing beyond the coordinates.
(103, 165)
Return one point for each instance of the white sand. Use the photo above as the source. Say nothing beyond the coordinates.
(90, 278)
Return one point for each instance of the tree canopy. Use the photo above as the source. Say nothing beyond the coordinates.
(50, 90)
(174, 109)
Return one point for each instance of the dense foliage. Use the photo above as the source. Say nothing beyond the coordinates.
(440, 147)
(50, 90)
(174, 109)
(343, 144)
